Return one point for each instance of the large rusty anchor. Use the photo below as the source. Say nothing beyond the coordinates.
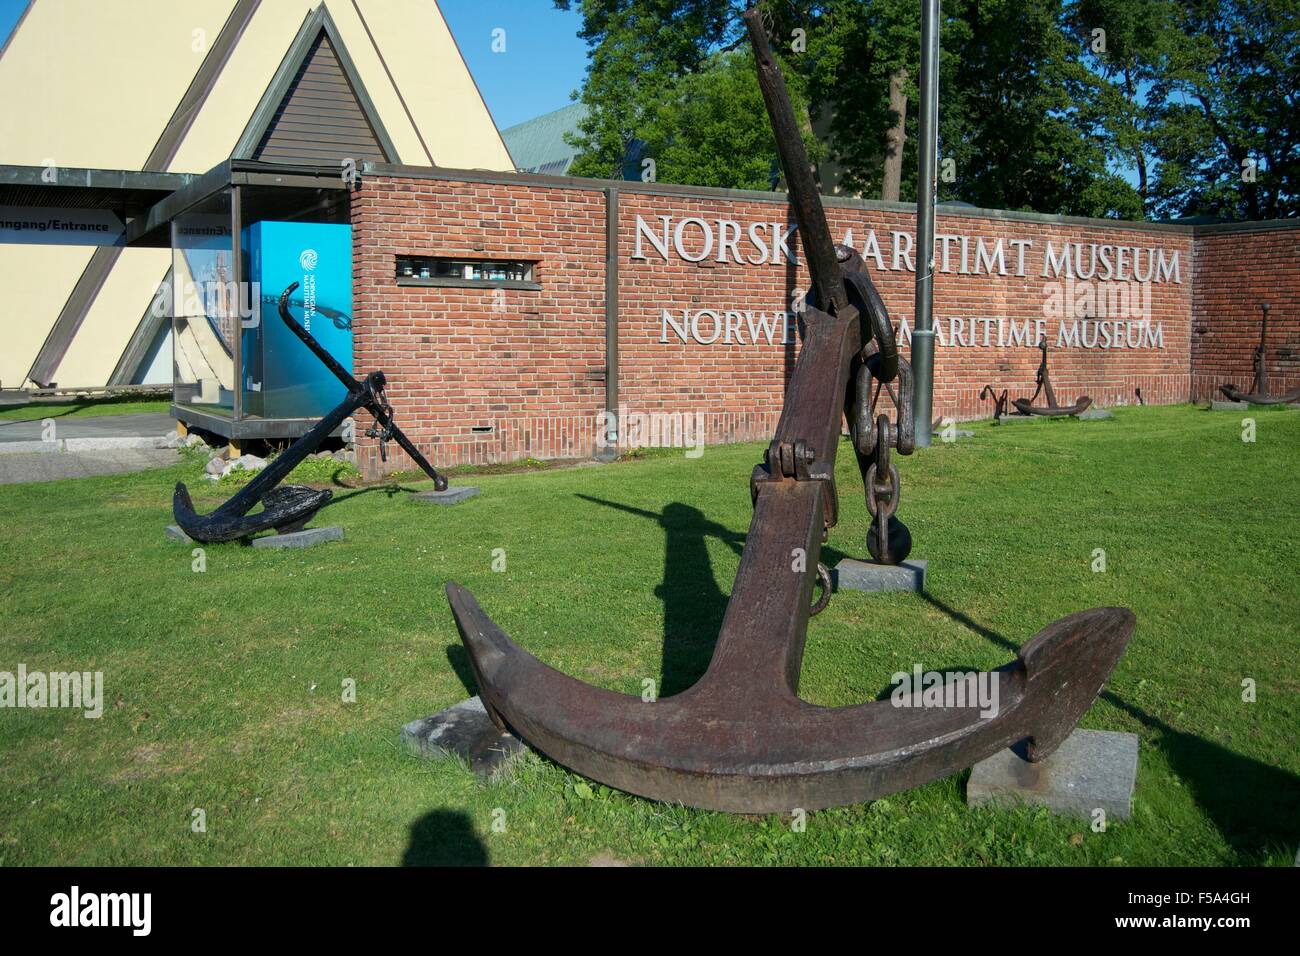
(740, 739)
(1026, 406)
(1258, 394)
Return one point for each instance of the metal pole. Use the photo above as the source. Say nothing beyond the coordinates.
(922, 325)
(613, 425)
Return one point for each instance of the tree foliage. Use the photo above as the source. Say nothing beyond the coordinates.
(1126, 108)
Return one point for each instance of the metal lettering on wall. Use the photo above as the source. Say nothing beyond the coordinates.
(1095, 295)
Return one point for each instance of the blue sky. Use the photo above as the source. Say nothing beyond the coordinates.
(542, 64)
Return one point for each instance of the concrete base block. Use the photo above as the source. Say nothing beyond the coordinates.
(958, 433)
(466, 731)
(1226, 406)
(452, 496)
(1019, 419)
(305, 538)
(1095, 414)
(30, 447)
(1092, 769)
(853, 575)
(174, 533)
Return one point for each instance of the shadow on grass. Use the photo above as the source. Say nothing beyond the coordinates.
(1254, 806)
(444, 838)
(458, 658)
(694, 605)
(34, 407)
(391, 490)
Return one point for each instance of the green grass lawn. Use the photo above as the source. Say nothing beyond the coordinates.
(95, 407)
(223, 688)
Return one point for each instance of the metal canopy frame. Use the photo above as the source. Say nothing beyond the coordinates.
(127, 192)
(154, 224)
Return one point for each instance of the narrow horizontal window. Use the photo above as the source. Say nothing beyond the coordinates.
(488, 273)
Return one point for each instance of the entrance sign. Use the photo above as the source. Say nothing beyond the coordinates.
(1096, 295)
(52, 226)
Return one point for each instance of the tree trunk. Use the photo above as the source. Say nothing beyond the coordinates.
(895, 138)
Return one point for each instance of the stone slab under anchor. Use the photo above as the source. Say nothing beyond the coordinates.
(452, 496)
(854, 575)
(173, 532)
(1218, 406)
(1095, 414)
(466, 731)
(1019, 419)
(306, 538)
(1091, 770)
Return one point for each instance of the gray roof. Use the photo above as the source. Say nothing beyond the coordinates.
(537, 145)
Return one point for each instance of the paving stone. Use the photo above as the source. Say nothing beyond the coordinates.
(1095, 414)
(174, 533)
(466, 731)
(306, 538)
(1218, 406)
(56, 467)
(1092, 769)
(111, 443)
(854, 575)
(1019, 419)
(452, 496)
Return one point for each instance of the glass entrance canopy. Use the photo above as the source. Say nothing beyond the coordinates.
(237, 371)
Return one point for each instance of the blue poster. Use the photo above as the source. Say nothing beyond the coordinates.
(282, 378)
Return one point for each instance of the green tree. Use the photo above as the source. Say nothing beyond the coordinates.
(862, 63)
(1033, 113)
(710, 128)
(1227, 128)
(1127, 44)
(1016, 117)
(639, 51)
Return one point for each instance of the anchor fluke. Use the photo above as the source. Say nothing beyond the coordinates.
(760, 749)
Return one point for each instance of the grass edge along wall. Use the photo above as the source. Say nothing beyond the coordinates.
(704, 290)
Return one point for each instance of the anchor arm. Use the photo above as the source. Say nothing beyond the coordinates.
(741, 741)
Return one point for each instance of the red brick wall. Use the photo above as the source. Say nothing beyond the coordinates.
(530, 364)
(719, 378)
(1236, 271)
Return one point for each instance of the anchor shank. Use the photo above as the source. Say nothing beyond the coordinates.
(760, 648)
(814, 399)
(247, 497)
(805, 198)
